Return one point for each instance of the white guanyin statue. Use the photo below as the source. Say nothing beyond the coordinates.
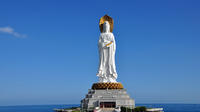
(107, 69)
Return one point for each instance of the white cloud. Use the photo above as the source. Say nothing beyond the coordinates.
(11, 31)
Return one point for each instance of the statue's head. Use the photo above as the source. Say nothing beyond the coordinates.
(103, 20)
(106, 27)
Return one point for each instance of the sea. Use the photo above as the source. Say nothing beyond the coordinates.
(49, 108)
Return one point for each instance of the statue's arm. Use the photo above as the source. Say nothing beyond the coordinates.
(111, 42)
(101, 42)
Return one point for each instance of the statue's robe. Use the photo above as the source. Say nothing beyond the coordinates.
(107, 69)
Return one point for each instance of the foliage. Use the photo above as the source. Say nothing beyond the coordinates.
(140, 109)
(74, 107)
(76, 111)
(126, 109)
(137, 109)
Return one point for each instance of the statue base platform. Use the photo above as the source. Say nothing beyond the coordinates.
(111, 96)
(107, 85)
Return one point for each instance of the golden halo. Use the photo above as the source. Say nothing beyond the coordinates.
(103, 19)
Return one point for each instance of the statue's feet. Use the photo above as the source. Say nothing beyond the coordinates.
(110, 79)
(103, 79)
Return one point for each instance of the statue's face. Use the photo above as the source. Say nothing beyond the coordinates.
(106, 23)
(106, 26)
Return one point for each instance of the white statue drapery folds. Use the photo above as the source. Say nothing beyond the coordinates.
(107, 69)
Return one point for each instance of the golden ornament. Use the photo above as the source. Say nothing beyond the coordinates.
(107, 85)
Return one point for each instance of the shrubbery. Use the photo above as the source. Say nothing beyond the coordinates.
(137, 109)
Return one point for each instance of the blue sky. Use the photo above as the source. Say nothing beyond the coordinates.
(49, 54)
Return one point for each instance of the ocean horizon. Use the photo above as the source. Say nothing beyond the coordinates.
(169, 107)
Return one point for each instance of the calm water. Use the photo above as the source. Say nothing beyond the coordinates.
(49, 108)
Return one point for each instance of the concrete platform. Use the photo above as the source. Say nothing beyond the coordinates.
(108, 98)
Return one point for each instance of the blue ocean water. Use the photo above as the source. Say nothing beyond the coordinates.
(49, 108)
